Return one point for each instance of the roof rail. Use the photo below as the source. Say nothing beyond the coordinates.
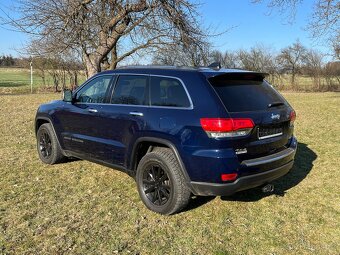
(156, 67)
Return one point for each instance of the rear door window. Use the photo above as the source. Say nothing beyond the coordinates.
(130, 89)
(168, 92)
(240, 95)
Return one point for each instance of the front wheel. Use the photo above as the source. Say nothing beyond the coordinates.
(160, 182)
(48, 148)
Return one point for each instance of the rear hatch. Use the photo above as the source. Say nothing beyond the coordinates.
(249, 95)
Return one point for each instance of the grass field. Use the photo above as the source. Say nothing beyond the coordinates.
(18, 81)
(84, 208)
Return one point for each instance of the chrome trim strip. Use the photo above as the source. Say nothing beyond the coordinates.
(269, 136)
(93, 110)
(268, 159)
(148, 106)
(136, 114)
(137, 105)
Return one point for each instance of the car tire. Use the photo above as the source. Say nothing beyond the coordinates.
(48, 147)
(160, 182)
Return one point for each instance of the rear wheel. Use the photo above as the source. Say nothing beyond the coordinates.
(48, 148)
(160, 182)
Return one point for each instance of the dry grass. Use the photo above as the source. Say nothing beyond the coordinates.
(83, 208)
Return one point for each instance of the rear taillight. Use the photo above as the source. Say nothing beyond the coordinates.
(228, 177)
(219, 127)
(292, 117)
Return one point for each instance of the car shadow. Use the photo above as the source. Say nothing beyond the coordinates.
(303, 164)
(197, 201)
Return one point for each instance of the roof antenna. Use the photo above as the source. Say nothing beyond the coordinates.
(215, 66)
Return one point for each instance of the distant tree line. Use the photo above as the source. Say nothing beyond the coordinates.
(103, 33)
(295, 59)
(285, 66)
(7, 61)
(64, 70)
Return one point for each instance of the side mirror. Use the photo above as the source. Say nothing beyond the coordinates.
(67, 96)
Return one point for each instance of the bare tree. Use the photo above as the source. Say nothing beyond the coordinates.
(312, 61)
(331, 73)
(291, 59)
(169, 56)
(336, 46)
(183, 55)
(326, 19)
(230, 59)
(227, 59)
(105, 32)
(324, 22)
(41, 65)
(63, 67)
(258, 58)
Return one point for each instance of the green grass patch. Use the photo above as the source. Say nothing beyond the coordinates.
(14, 77)
(84, 208)
(18, 81)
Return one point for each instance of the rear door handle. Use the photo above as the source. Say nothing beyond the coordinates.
(92, 110)
(140, 114)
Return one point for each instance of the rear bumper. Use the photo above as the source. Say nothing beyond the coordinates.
(285, 159)
(243, 183)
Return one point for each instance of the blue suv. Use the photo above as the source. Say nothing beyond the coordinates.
(177, 131)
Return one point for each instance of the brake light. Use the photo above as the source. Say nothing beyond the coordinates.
(292, 117)
(228, 177)
(226, 127)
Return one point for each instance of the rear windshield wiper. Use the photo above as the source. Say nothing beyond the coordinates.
(274, 104)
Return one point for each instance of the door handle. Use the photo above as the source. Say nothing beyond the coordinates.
(92, 110)
(140, 114)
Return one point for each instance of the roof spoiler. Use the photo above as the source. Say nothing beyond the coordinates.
(253, 76)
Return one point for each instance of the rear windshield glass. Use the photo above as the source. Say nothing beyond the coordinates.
(246, 95)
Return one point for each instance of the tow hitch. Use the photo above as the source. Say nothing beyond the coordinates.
(268, 188)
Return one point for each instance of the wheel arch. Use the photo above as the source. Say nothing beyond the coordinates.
(142, 146)
(40, 120)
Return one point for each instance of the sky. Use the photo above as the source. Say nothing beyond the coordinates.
(246, 24)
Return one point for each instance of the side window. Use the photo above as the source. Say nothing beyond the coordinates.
(95, 90)
(168, 92)
(130, 89)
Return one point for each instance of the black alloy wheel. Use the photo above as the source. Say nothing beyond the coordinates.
(45, 144)
(160, 182)
(48, 147)
(156, 185)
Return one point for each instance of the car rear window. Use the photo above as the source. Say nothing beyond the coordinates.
(240, 95)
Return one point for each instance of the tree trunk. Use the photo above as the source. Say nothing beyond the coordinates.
(293, 78)
(55, 81)
(114, 57)
(90, 69)
(92, 65)
(75, 78)
(64, 79)
(43, 78)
